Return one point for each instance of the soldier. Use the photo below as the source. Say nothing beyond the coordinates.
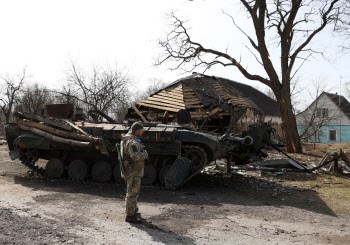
(134, 156)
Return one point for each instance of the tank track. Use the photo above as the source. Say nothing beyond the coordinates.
(40, 172)
(196, 154)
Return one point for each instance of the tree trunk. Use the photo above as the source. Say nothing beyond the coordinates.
(289, 124)
(7, 117)
(55, 138)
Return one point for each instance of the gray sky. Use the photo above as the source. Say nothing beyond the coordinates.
(44, 35)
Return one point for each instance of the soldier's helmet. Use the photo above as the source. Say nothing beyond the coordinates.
(136, 126)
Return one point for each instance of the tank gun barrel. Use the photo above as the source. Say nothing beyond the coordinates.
(247, 140)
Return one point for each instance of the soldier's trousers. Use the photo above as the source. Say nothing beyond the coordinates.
(133, 185)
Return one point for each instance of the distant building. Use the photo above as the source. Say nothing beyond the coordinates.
(326, 120)
(210, 102)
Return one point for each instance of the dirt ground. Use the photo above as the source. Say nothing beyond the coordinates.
(211, 209)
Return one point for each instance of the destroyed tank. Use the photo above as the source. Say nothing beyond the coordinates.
(82, 150)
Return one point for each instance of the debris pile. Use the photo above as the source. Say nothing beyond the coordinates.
(209, 103)
(334, 163)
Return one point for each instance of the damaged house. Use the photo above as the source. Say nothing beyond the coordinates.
(208, 103)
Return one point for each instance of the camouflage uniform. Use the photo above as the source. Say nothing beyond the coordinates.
(134, 155)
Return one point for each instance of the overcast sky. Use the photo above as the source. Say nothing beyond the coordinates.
(45, 35)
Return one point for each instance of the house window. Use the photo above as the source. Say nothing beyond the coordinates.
(332, 134)
(322, 112)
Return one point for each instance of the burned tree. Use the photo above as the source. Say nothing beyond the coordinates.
(291, 25)
(10, 90)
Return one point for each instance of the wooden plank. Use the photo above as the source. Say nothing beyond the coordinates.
(189, 93)
(139, 113)
(197, 112)
(45, 120)
(242, 102)
(187, 90)
(55, 138)
(151, 102)
(194, 106)
(238, 99)
(173, 93)
(174, 90)
(220, 90)
(72, 124)
(192, 103)
(57, 131)
(190, 96)
(166, 98)
(176, 96)
(163, 104)
(149, 99)
(214, 111)
(160, 107)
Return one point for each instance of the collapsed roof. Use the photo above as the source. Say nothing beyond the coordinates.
(202, 97)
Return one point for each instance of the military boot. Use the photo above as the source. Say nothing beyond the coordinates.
(137, 214)
(133, 219)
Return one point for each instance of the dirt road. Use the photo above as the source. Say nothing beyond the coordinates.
(209, 210)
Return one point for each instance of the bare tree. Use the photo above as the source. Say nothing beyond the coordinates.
(289, 24)
(10, 90)
(67, 94)
(315, 116)
(105, 90)
(33, 99)
(156, 84)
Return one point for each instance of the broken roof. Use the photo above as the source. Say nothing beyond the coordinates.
(201, 91)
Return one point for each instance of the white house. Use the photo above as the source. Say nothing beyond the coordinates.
(326, 120)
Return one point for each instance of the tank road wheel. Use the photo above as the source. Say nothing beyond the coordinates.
(162, 173)
(117, 174)
(28, 156)
(54, 168)
(197, 155)
(78, 170)
(150, 175)
(101, 171)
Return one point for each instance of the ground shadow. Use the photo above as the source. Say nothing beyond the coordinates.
(160, 235)
(213, 190)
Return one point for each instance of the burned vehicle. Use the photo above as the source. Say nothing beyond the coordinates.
(83, 150)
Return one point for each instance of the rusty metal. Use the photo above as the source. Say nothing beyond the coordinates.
(63, 111)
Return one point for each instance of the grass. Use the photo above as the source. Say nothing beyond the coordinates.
(333, 192)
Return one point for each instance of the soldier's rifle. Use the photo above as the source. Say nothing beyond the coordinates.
(122, 167)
